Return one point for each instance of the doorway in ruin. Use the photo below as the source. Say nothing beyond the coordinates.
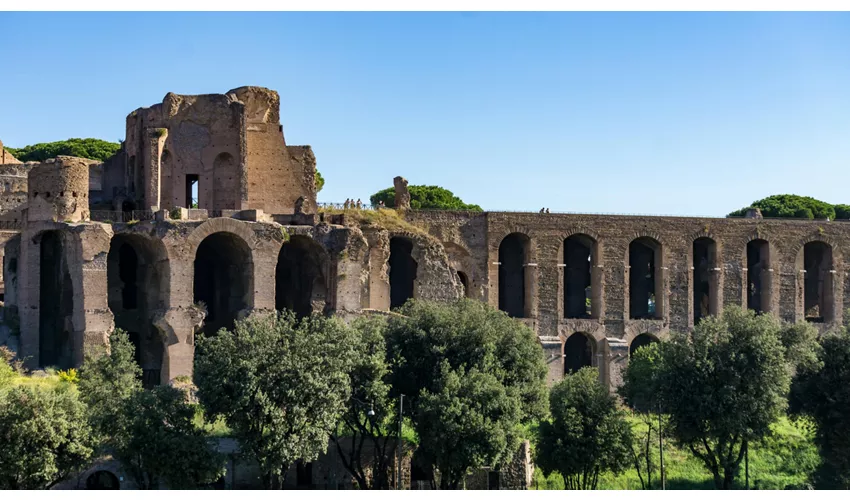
(55, 304)
(579, 251)
(642, 340)
(224, 279)
(817, 283)
(513, 280)
(134, 271)
(301, 283)
(758, 276)
(578, 352)
(704, 292)
(645, 286)
(464, 280)
(402, 271)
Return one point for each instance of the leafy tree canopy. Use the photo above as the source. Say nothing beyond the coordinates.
(94, 149)
(794, 206)
(280, 384)
(587, 435)
(44, 434)
(425, 198)
(822, 392)
(320, 181)
(725, 384)
(147, 431)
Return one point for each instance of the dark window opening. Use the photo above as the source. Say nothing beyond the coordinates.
(513, 256)
(192, 181)
(703, 282)
(758, 276)
(223, 279)
(56, 298)
(641, 340)
(578, 262)
(403, 269)
(128, 263)
(300, 283)
(102, 480)
(817, 282)
(304, 473)
(465, 282)
(644, 260)
(578, 352)
(493, 480)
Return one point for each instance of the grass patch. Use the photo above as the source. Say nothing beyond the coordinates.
(782, 461)
(216, 429)
(386, 218)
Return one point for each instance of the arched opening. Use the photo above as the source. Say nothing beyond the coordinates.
(133, 274)
(301, 277)
(102, 480)
(579, 260)
(578, 352)
(642, 340)
(467, 292)
(55, 303)
(705, 289)
(402, 271)
(817, 284)
(758, 276)
(225, 175)
(645, 284)
(513, 280)
(224, 279)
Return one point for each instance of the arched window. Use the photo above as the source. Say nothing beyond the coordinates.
(642, 340)
(301, 277)
(224, 279)
(704, 278)
(645, 283)
(818, 295)
(758, 276)
(513, 280)
(579, 259)
(55, 304)
(578, 352)
(402, 271)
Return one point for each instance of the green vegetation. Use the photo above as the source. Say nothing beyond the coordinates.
(424, 198)
(386, 217)
(822, 392)
(281, 384)
(94, 149)
(320, 181)
(794, 206)
(587, 435)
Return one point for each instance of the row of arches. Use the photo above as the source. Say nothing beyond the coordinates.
(645, 266)
(580, 350)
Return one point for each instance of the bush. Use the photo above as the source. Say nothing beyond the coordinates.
(425, 198)
(94, 149)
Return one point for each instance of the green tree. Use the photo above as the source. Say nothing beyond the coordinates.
(369, 414)
(280, 384)
(641, 391)
(587, 435)
(842, 211)
(425, 198)
(469, 422)
(44, 436)
(147, 431)
(723, 386)
(94, 149)
(790, 205)
(822, 392)
(430, 344)
(320, 181)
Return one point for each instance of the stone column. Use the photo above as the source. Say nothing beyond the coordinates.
(92, 319)
(29, 276)
(151, 158)
(177, 326)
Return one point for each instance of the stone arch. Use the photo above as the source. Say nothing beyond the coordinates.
(467, 286)
(816, 261)
(136, 274)
(579, 350)
(301, 277)
(514, 278)
(402, 270)
(579, 258)
(222, 224)
(102, 480)
(642, 340)
(225, 182)
(224, 278)
(55, 302)
(645, 265)
(759, 259)
(705, 278)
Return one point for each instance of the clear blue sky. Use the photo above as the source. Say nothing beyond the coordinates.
(692, 114)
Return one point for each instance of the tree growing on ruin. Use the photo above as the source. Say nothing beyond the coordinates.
(586, 436)
(430, 344)
(424, 198)
(821, 391)
(280, 383)
(44, 436)
(148, 432)
(792, 206)
(724, 384)
(94, 149)
(370, 416)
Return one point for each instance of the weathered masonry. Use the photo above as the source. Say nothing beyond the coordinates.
(596, 287)
(206, 215)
